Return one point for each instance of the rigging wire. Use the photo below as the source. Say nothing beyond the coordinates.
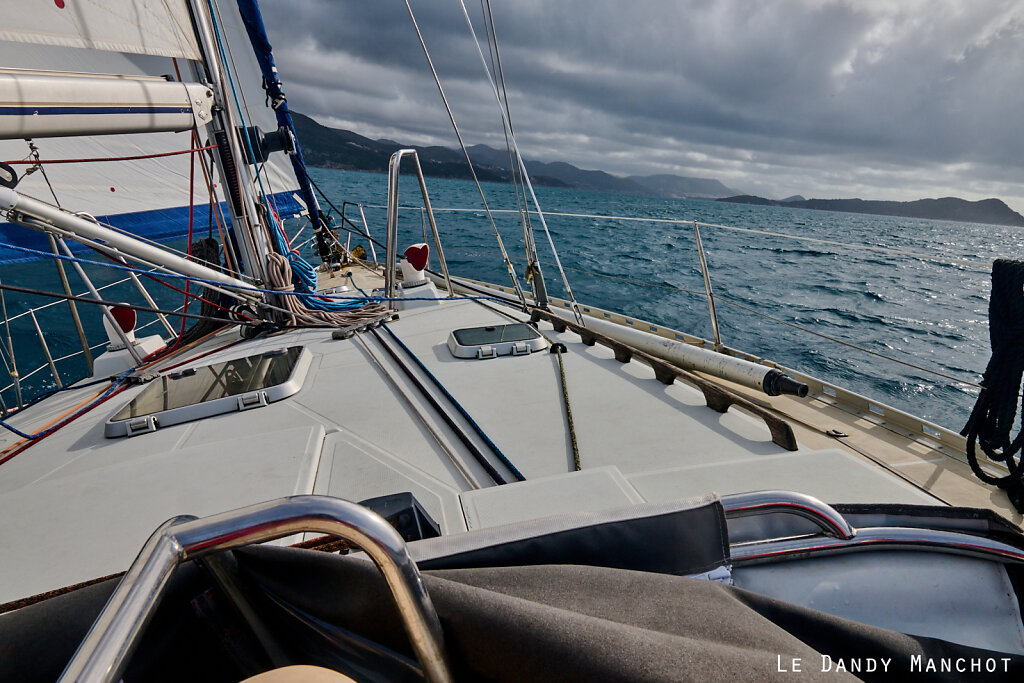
(472, 171)
(761, 314)
(522, 166)
(522, 205)
(731, 228)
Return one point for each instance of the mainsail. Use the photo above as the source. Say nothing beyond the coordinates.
(147, 27)
(148, 196)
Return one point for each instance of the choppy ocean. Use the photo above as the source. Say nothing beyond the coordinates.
(931, 312)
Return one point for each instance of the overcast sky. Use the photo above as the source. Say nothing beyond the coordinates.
(879, 99)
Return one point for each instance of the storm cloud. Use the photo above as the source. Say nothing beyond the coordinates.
(865, 98)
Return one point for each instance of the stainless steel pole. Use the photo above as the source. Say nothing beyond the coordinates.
(707, 288)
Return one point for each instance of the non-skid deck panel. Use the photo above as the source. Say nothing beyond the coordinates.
(591, 490)
(830, 475)
(623, 416)
(516, 400)
(355, 470)
(75, 528)
(920, 459)
(84, 435)
(356, 397)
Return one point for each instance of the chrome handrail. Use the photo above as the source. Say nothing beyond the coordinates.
(105, 650)
(876, 538)
(394, 169)
(826, 517)
(707, 287)
(839, 537)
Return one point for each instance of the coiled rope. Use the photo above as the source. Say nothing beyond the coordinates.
(993, 416)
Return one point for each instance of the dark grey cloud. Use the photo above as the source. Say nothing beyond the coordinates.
(826, 98)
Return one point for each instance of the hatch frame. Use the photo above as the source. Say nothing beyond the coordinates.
(235, 401)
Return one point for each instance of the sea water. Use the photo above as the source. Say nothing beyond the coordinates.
(928, 308)
(931, 312)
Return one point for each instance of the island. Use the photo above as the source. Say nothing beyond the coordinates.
(989, 211)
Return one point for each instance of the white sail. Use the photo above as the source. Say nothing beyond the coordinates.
(149, 196)
(148, 27)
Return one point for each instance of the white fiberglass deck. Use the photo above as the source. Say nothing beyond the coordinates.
(78, 506)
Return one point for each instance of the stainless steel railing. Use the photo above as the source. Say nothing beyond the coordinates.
(9, 359)
(394, 168)
(824, 516)
(105, 650)
(839, 537)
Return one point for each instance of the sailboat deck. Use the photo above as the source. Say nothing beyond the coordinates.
(359, 427)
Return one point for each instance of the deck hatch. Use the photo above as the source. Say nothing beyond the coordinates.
(225, 387)
(517, 339)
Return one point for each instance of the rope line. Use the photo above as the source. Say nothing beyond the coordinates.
(33, 162)
(558, 350)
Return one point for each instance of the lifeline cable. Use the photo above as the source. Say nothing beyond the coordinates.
(103, 302)
(719, 298)
(239, 288)
(33, 162)
(49, 430)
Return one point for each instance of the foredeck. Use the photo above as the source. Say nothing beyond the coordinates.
(81, 505)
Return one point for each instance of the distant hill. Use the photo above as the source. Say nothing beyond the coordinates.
(667, 185)
(991, 211)
(338, 148)
(794, 198)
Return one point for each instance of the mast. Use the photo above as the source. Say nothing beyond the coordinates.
(252, 243)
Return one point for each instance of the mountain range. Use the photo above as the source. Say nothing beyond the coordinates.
(991, 211)
(338, 148)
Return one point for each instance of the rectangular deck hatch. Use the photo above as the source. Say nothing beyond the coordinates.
(517, 339)
(225, 387)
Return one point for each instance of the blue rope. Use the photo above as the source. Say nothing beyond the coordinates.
(360, 289)
(458, 406)
(87, 407)
(51, 392)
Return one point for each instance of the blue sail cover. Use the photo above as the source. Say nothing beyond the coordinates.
(157, 224)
